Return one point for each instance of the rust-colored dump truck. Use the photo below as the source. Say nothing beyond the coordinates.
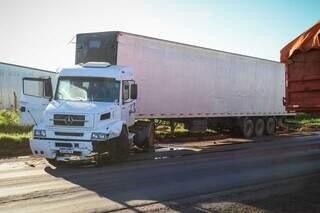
(302, 61)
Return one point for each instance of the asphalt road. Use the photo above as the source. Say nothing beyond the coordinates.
(178, 183)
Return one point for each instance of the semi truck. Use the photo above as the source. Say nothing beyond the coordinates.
(122, 84)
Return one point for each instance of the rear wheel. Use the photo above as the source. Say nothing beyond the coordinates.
(144, 135)
(259, 127)
(120, 149)
(149, 141)
(247, 128)
(270, 126)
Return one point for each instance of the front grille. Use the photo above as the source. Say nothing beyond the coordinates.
(74, 134)
(69, 120)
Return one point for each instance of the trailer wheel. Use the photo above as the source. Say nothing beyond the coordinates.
(259, 127)
(120, 149)
(270, 126)
(247, 128)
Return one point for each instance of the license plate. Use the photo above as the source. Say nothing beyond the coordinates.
(66, 151)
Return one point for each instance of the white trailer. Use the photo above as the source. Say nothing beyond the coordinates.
(179, 81)
(102, 107)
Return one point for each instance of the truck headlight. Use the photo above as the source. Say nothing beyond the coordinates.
(39, 133)
(99, 136)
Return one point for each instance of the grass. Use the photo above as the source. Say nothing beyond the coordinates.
(14, 138)
(304, 121)
(9, 123)
(163, 132)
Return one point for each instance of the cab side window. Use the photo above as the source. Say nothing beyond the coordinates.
(125, 90)
(33, 87)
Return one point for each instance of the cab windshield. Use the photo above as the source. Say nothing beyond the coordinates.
(88, 89)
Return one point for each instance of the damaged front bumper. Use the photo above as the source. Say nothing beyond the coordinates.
(62, 150)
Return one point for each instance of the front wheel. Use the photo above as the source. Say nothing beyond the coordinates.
(120, 149)
(54, 162)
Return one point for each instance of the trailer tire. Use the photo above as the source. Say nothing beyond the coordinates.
(259, 127)
(270, 128)
(120, 149)
(247, 128)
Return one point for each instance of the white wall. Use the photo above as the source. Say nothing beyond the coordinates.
(11, 82)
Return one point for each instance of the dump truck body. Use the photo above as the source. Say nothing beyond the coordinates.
(302, 60)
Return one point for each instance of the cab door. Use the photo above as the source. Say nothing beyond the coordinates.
(36, 95)
(128, 107)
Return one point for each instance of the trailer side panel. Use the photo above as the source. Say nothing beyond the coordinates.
(183, 81)
(180, 81)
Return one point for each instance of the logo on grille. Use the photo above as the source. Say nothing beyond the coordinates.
(68, 120)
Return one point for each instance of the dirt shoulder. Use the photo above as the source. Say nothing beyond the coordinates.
(14, 149)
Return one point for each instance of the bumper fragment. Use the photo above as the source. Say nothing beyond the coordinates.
(61, 149)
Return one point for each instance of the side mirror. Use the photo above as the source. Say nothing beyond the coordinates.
(134, 91)
(48, 88)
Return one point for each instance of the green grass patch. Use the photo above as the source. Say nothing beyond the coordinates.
(163, 131)
(9, 117)
(304, 121)
(9, 123)
(14, 138)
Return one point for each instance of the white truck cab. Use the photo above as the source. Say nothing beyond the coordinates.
(90, 113)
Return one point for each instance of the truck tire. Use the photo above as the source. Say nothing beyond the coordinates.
(54, 162)
(120, 149)
(148, 145)
(270, 128)
(247, 128)
(259, 127)
(144, 135)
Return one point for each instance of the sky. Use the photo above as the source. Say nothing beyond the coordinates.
(40, 33)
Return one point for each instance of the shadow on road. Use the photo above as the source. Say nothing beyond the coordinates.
(136, 186)
(253, 178)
